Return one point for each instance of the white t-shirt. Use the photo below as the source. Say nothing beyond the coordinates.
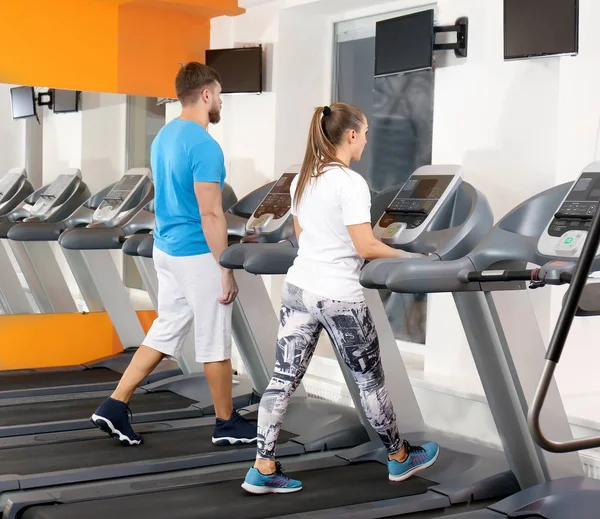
(327, 263)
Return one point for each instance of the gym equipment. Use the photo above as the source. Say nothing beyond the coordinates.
(346, 483)
(53, 202)
(116, 210)
(14, 189)
(552, 229)
(87, 455)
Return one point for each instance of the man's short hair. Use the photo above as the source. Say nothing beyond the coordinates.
(192, 79)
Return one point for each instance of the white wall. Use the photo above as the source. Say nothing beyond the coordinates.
(247, 128)
(92, 140)
(579, 119)
(103, 138)
(12, 134)
(499, 120)
(61, 148)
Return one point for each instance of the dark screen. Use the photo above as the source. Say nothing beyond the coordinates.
(404, 44)
(65, 101)
(240, 69)
(540, 28)
(283, 184)
(23, 102)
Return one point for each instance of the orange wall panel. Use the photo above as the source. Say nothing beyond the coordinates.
(122, 46)
(50, 340)
(62, 44)
(153, 42)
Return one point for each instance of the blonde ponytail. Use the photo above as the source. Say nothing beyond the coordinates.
(327, 129)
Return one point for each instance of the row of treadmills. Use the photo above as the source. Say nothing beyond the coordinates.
(55, 464)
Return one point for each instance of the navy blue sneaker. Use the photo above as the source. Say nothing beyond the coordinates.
(419, 458)
(113, 417)
(235, 431)
(275, 483)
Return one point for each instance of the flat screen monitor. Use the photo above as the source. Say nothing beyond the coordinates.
(23, 102)
(65, 101)
(240, 69)
(404, 44)
(537, 28)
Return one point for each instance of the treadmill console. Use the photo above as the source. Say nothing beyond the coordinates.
(9, 186)
(55, 194)
(415, 205)
(275, 208)
(566, 233)
(118, 198)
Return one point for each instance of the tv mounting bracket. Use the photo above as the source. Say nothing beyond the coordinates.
(461, 28)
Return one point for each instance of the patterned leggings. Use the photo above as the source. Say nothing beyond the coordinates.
(351, 329)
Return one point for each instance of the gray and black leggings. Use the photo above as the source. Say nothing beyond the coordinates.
(351, 329)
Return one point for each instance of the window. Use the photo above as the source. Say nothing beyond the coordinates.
(145, 118)
(400, 113)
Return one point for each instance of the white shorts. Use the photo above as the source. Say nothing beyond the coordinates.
(188, 291)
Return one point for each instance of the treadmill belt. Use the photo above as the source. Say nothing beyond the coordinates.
(81, 409)
(322, 488)
(57, 378)
(103, 451)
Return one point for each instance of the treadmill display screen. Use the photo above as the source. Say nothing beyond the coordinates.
(282, 187)
(7, 185)
(59, 186)
(126, 184)
(416, 200)
(578, 209)
(53, 192)
(278, 202)
(113, 202)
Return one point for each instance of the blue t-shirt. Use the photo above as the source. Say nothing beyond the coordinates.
(182, 153)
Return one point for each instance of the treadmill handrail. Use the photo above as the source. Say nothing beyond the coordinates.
(270, 258)
(557, 344)
(414, 275)
(98, 238)
(36, 231)
(132, 242)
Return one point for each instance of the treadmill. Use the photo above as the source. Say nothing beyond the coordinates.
(37, 262)
(14, 189)
(562, 235)
(344, 483)
(102, 223)
(172, 441)
(98, 280)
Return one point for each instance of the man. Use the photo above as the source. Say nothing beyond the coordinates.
(189, 237)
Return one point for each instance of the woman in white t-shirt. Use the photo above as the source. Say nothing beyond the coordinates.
(331, 209)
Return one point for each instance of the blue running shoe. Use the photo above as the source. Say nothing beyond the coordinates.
(275, 483)
(235, 431)
(113, 417)
(419, 458)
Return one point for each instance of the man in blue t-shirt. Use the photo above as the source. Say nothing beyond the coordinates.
(189, 237)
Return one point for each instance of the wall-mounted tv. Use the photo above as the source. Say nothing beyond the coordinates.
(539, 28)
(240, 69)
(23, 102)
(65, 101)
(404, 44)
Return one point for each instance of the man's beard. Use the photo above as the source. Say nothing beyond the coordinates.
(214, 116)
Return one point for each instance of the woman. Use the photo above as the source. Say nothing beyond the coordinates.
(331, 210)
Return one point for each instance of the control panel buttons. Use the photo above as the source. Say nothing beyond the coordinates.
(570, 243)
(392, 231)
(261, 222)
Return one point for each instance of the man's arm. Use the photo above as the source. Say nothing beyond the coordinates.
(214, 226)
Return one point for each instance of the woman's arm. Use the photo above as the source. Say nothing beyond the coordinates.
(297, 229)
(370, 248)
